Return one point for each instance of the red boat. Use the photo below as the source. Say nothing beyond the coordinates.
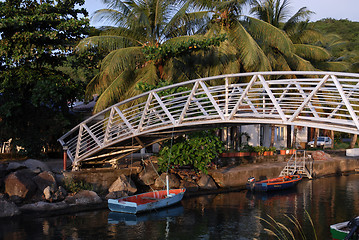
(272, 184)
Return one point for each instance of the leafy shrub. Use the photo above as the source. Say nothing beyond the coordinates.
(75, 186)
(196, 149)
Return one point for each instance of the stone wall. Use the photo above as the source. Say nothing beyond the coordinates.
(100, 178)
(229, 176)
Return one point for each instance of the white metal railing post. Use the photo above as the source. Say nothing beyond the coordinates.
(226, 101)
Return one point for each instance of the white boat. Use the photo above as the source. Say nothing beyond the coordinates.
(146, 201)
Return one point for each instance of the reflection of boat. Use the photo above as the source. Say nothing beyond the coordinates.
(146, 201)
(271, 195)
(345, 230)
(278, 183)
(131, 219)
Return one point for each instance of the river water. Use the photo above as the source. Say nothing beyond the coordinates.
(234, 215)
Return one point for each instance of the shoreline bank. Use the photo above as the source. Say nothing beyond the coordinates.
(225, 179)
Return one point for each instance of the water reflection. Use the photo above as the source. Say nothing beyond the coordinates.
(132, 219)
(233, 215)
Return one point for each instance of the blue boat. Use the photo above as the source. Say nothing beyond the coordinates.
(273, 184)
(146, 201)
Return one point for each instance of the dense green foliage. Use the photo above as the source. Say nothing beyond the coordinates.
(342, 38)
(165, 51)
(197, 149)
(35, 40)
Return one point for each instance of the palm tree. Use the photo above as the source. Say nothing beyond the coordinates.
(142, 28)
(308, 53)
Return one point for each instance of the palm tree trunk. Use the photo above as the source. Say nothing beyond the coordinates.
(353, 141)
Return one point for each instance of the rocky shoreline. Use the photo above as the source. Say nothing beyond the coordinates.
(32, 187)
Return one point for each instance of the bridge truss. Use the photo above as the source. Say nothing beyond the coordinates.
(326, 100)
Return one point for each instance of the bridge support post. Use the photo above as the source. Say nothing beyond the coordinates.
(65, 156)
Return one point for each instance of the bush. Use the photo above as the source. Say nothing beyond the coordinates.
(75, 186)
(196, 150)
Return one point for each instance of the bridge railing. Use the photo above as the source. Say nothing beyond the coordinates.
(317, 99)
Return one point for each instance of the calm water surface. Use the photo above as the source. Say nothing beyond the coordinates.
(233, 215)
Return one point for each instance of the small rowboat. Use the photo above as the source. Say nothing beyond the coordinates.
(272, 184)
(345, 230)
(146, 201)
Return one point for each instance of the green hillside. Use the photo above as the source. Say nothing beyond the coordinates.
(348, 31)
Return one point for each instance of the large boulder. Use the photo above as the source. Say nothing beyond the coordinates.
(14, 166)
(320, 156)
(189, 186)
(173, 181)
(52, 194)
(43, 207)
(83, 197)
(206, 182)
(117, 194)
(147, 176)
(45, 179)
(8, 209)
(20, 184)
(123, 183)
(36, 165)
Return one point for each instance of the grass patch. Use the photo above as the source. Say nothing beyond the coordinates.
(283, 232)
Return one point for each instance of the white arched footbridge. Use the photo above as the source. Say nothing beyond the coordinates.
(326, 100)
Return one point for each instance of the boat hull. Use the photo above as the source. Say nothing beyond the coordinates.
(339, 231)
(274, 184)
(146, 201)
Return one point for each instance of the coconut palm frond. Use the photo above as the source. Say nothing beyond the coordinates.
(135, 37)
(354, 67)
(299, 64)
(121, 60)
(301, 15)
(333, 66)
(188, 24)
(311, 52)
(108, 43)
(113, 92)
(109, 16)
(271, 35)
(250, 53)
(147, 74)
(305, 36)
(279, 62)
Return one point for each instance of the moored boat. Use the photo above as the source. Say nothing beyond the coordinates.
(272, 184)
(146, 201)
(345, 230)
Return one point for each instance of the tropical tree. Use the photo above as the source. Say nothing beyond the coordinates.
(145, 46)
(309, 54)
(35, 38)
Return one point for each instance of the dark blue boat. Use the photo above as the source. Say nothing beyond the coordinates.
(273, 184)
